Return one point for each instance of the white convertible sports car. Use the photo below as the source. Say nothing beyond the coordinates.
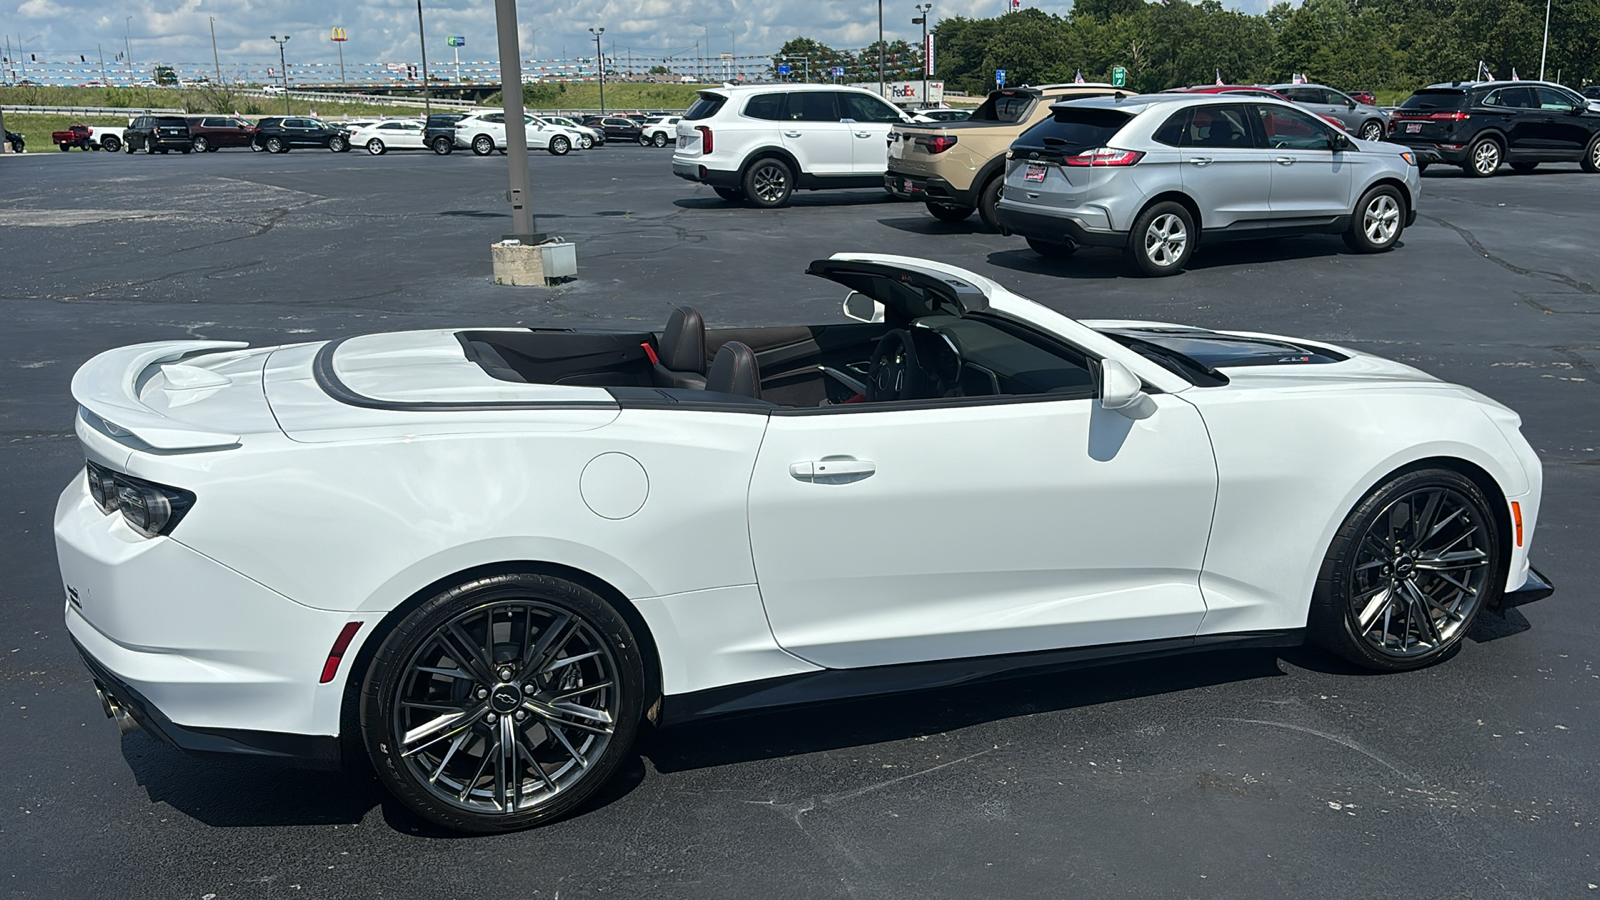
(488, 556)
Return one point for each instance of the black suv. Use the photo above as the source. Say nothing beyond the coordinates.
(616, 128)
(439, 132)
(1479, 125)
(158, 133)
(278, 134)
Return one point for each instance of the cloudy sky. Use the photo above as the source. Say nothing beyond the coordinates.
(178, 31)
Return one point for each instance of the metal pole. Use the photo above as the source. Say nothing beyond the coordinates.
(341, 61)
(127, 44)
(215, 60)
(103, 79)
(600, 66)
(881, 91)
(283, 71)
(521, 193)
(427, 107)
(1546, 48)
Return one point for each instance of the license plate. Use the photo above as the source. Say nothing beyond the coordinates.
(909, 187)
(1413, 127)
(1034, 173)
(682, 141)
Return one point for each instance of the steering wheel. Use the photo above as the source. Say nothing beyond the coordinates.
(893, 373)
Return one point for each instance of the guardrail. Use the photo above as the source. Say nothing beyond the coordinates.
(364, 99)
(91, 110)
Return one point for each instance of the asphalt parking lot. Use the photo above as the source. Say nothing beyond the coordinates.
(1223, 775)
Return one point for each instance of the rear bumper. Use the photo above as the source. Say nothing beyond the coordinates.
(928, 188)
(198, 654)
(1429, 152)
(705, 175)
(1055, 228)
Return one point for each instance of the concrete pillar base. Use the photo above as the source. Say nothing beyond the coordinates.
(518, 264)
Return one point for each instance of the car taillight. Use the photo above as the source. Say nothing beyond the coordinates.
(1457, 116)
(937, 143)
(705, 138)
(1103, 156)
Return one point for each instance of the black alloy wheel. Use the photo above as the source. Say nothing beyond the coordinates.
(504, 702)
(951, 214)
(768, 183)
(110, 143)
(1409, 571)
(443, 146)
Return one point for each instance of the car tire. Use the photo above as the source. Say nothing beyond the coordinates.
(128, 148)
(1380, 600)
(276, 145)
(660, 140)
(149, 148)
(1162, 240)
(64, 147)
(1523, 168)
(376, 147)
(768, 183)
(1370, 130)
(255, 147)
(585, 142)
(732, 195)
(482, 145)
(1051, 249)
(989, 203)
(201, 145)
(338, 144)
(1484, 157)
(1378, 220)
(560, 146)
(111, 143)
(443, 146)
(549, 641)
(1591, 157)
(951, 214)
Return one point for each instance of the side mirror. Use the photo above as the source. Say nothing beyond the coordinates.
(1350, 103)
(1119, 388)
(1340, 141)
(862, 308)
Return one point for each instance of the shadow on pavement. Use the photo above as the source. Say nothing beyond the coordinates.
(800, 200)
(1107, 262)
(926, 224)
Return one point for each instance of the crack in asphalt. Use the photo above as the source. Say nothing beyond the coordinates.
(1473, 242)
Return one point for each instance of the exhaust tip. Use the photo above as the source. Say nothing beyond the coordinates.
(126, 723)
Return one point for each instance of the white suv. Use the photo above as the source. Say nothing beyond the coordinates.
(660, 131)
(761, 142)
(485, 132)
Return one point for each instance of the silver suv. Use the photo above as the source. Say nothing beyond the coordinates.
(1363, 120)
(1153, 174)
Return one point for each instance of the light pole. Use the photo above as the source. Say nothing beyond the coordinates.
(127, 44)
(922, 20)
(505, 16)
(705, 59)
(215, 60)
(422, 40)
(600, 63)
(733, 49)
(283, 70)
(881, 91)
(1546, 47)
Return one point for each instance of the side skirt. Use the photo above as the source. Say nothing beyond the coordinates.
(840, 684)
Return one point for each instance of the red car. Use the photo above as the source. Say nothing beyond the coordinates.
(211, 133)
(1248, 90)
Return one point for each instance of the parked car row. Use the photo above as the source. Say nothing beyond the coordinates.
(1072, 165)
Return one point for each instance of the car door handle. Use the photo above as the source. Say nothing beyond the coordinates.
(791, 134)
(1285, 160)
(863, 134)
(811, 470)
(1200, 160)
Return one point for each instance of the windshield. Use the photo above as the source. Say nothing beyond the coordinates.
(1005, 106)
(1075, 127)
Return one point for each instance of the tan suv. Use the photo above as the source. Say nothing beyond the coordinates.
(956, 167)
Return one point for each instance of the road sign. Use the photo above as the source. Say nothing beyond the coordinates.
(455, 40)
(836, 72)
(1119, 76)
(783, 70)
(1000, 77)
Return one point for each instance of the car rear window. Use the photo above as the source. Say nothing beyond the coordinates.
(1076, 127)
(1004, 106)
(706, 106)
(172, 122)
(1434, 100)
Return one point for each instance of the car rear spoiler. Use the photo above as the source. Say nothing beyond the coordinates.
(107, 386)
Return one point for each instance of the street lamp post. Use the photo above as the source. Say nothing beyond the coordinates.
(924, 9)
(283, 70)
(881, 91)
(733, 49)
(127, 45)
(422, 40)
(520, 195)
(215, 59)
(1546, 47)
(600, 63)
